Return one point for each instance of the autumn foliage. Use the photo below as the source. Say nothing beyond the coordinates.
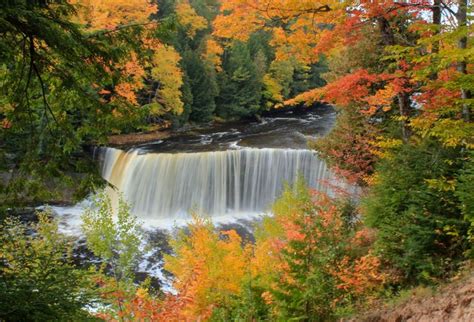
(308, 239)
(398, 73)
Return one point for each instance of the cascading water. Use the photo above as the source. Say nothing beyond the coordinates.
(168, 185)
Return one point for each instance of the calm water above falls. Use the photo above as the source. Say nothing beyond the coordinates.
(286, 130)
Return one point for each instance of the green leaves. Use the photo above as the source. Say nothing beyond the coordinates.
(113, 235)
(38, 280)
(415, 210)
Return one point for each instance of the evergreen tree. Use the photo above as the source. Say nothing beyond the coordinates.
(202, 85)
(315, 79)
(240, 88)
(300, 81)
(306, 291)
(464, 191)
(421, 229)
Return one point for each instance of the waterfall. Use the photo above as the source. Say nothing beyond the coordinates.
(168, 185)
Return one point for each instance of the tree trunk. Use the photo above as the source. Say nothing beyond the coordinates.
(436, 11)
(404, 107)
(388, 39)
(462, 65)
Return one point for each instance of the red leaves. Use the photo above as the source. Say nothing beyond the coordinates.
(360, 276)
(352, 88)
(6, 124)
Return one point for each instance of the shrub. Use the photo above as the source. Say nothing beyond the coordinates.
(38, 280)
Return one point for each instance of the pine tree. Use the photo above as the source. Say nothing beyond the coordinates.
(307, 288)
(203, 87)
(240, 88)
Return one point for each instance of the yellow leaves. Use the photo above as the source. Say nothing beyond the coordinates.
(273, 88)
(442, 184)
(213, 53)
(108, 14)
(384, 146)
(451, 132)
(208, 268)
(308, 98)
(188, 18)
(167, 72)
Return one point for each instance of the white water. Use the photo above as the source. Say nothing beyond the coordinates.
(165, 187)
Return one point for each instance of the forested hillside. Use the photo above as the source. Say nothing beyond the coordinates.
(76, 71)
(399, 74)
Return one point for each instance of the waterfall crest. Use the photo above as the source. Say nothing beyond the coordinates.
(169, 185)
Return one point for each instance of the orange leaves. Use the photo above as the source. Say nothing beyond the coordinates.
(303, 21)
(361, 276)
(352, 88)
(131, 303)
(6, 123)
(126, 91)
(240, 23)
(213, 53)
(307, 231)
(383, 98)
(134, 73)
(188, 18)
(109, 14)
(208, 268)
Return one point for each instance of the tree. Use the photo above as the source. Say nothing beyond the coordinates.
(350, 148)
(203, 87)
(298, 27)
(313, 257)
(421, 229)
(114, 237)
(240, 88)
(209, 268)
(465, 186)
(50, 105)
(38, 279)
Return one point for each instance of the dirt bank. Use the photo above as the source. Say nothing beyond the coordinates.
(452, 302)
(138, 138)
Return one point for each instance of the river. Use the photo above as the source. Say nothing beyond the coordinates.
(230, 172)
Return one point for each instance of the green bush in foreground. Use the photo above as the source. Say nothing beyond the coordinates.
(38, 280)
(415, 208)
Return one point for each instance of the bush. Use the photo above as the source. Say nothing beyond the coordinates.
(414, 207)
(38, 280)
(348, 148)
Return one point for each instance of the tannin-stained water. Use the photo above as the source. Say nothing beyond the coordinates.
(161, 186)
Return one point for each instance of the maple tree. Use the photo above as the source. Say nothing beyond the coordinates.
(151, 60)
(208, 268)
